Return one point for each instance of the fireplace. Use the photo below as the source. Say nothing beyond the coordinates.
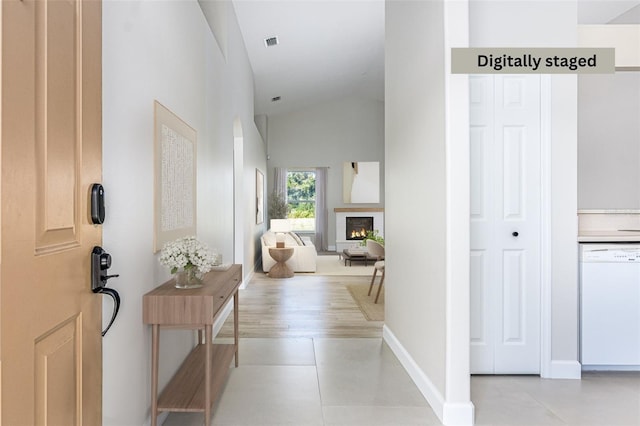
(357, 227)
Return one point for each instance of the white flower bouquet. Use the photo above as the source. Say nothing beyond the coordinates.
(187, 255)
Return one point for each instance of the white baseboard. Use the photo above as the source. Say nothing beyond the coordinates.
(448, 413)
(247, 279)
(229, 307)
(426, 387)
(565, 370)
(217, 325)
(610, 367)
(458, 414)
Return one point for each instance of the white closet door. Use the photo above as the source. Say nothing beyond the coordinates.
(505, 224)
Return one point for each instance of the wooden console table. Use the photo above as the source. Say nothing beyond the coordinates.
(194, 387)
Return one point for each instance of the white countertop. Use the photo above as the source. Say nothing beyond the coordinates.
(608, 226)
(609, 236)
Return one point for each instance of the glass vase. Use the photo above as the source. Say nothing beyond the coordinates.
(188, 278)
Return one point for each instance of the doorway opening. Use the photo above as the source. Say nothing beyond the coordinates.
(238, 182)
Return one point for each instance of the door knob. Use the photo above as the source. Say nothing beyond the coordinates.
(100, 263)
(515, 233)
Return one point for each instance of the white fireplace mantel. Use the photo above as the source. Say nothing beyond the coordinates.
(341, 223)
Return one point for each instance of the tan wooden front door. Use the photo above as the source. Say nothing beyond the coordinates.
(50, 342)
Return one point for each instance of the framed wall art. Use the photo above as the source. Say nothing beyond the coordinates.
(259, 197)
(361, 182)
(175, 177)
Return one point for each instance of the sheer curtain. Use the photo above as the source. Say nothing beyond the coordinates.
(280, 181)
(321, 209)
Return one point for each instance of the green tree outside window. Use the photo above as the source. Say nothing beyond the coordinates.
(301, 194)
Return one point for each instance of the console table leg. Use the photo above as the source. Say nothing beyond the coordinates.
(208, 340)
(155, 344)
(235, 324)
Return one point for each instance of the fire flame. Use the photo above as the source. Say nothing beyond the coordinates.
(359, 234)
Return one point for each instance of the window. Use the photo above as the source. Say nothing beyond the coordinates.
(301, 198)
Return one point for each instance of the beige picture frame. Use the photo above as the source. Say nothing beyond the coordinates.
(175, 177)
(259, 197)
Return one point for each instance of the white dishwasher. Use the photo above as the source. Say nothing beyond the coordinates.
(610, 306)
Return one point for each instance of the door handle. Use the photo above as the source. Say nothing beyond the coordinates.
(100, 263)
(515, 233)
(116, 305)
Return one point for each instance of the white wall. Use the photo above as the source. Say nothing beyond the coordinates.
(415, 158)
(609, 141)
(427, 169)
(327, 135)
(548, 24)
(427, 313)
(165, 50)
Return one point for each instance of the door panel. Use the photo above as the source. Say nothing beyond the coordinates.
(512, 300)
(57, 370)
(512, 177)
(57, 118)
(481, 331)
(479, 136)
(483, 263)
(51, 154)
(505, 157)
(517, 115)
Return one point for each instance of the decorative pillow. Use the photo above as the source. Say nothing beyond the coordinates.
(296, 238)
(302, 243)
(269, 239)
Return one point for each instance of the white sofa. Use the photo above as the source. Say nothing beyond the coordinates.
(304, 252)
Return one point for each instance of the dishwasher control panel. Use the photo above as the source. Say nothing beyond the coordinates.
(611, 254)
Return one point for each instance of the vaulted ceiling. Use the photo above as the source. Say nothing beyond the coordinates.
(329, 49)
(326, 49)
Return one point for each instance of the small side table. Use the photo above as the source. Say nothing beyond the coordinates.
(280, 269)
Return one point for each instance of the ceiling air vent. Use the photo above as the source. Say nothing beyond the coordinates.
(275, 99)
(271, 41)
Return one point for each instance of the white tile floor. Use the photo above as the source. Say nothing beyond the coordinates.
(360, 382)
(316, 382)
(603, 399)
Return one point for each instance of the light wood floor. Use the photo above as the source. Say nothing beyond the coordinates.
(306, 305)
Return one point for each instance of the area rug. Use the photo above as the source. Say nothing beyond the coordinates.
(371, 311)
(332, 265)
